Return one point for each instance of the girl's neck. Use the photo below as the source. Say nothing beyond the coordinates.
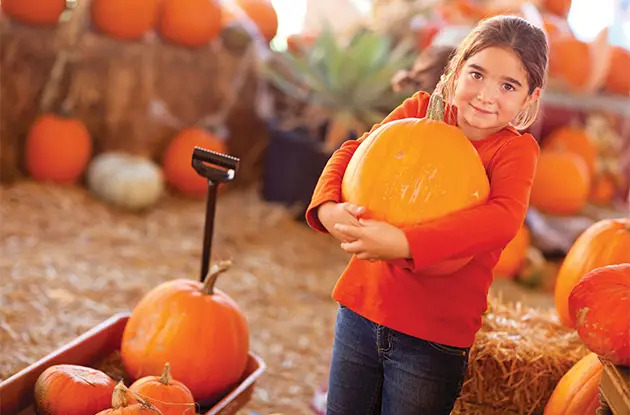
(474, 133)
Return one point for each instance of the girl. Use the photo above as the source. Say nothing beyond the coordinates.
(402, 338)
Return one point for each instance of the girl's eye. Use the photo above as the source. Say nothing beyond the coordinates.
(508, 87)
(476, 75)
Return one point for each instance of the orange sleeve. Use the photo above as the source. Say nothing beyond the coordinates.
(328, 187)
(488, 226)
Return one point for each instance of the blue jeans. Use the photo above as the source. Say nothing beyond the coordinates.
(376, 370)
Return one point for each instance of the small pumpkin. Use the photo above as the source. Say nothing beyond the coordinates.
(122, 405)
(34, 12)
(58, 149)
(577, 392)
(125, 19)
(606, 242)
(72, 390)
(177, 158)
(165, 326)
(599, 307)
(514, 254)
(124, 180)
(263, 14)
(561, 183)
(617, 79)
(569, 61)
(403, 173)
(190, 23)
(168, 395)
(574, 140)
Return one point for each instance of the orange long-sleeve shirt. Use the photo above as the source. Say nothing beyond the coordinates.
(444, 308)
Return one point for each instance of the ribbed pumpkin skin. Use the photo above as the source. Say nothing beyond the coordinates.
(577, 391)
(599, 306)
(168, 395)
(606, 242)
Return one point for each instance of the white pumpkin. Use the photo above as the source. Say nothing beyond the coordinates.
(124, 180)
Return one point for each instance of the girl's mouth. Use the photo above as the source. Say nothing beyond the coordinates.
(480, 110)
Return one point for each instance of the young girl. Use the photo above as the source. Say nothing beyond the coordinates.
(402, 338)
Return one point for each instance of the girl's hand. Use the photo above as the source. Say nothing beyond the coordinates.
(332, 213)
(374, 240)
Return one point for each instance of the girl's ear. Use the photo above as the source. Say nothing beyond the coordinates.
(533, 97)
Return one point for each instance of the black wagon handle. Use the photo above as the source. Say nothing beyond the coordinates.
(217, 168)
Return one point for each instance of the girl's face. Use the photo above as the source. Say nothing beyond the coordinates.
(491, 88)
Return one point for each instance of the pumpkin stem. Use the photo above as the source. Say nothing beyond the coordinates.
(166, 378)
(213, 274)
(435, 111)
(119, 397)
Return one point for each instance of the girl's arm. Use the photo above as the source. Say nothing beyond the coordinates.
(485, 227)
(329, 185)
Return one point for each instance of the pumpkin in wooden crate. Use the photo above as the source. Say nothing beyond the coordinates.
(617, 78)
(263, 14)
(599, 306)
(561, 183)
(577, 391)
(195, 327)
(177, 158)
(569, 62)
(168, 395)
(58, 149)
(606, 242)
(121, 403)
(124, 180)
(72, 390)
(574, 140)
(35, 12)
(190, 23)
(513, 256)
(403, 175)
(125, 19)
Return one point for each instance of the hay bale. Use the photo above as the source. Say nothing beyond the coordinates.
(518, 357)
(27, 56)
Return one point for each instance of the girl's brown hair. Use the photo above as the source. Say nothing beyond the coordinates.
(523, 38)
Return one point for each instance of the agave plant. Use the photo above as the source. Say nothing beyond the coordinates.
(345, 85)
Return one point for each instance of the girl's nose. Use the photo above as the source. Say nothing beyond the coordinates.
(487, 92)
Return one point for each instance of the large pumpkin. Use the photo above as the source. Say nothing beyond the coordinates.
(190, 23)
(176, 163)
(561, 183)
(606, 242)
(618, 79)
(125, 19)
(577, 391)
(574, 140)
(264, 16)
(58, 149)
(599, 306)
(35, 12)
(514, 254)
(170, 396)
(199, 330)
(405, 173)
(569, 61)
(72, 390)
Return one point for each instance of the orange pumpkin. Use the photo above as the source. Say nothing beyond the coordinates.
(603, 189)
(569, 61)
(264, 16)
(176, 163)
(574, 140)
(403, 173)
(606, 242)
(561, 183)
(125, 19)
(577, 392)
(168, 395)
(35, 12)
(122, 405)
(618, 79)
(558, 7)
(58, 149)
(166, 325)
(190, 23)
(514, 254)
(72, 390)
(598, 306)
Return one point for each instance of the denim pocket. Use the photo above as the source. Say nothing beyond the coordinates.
(452, 350)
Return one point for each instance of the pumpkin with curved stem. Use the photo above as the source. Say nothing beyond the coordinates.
(190, 23)
(599, 307)
(35, 12)
(58, 149)
(606, 242)
(514, 254)
(577, 392)
(72, 390)
(403, 174)
(122, 405)
(166, 325)
(264, 16)
(125, 19)
(573, 140)
(168, 395)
